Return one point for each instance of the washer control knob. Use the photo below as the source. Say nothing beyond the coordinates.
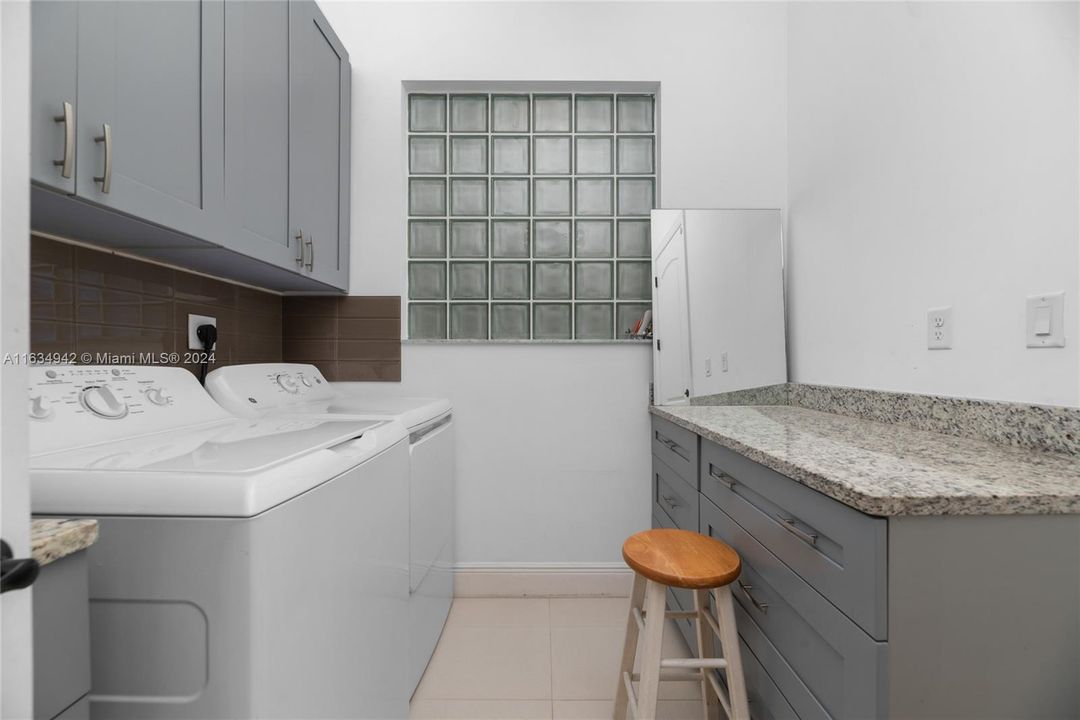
(40, 407)
(103, 402)
(157, 396)
(304, 379)
(286, 383)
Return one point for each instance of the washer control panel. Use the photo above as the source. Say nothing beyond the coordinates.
(252, 390)
(72, 406)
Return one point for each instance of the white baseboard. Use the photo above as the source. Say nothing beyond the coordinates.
(542, 580)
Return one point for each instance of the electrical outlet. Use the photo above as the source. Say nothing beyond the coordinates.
(723, 361)
(708, 367)
(193, 323)
(939, 328)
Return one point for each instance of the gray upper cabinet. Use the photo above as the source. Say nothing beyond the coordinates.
(257, 131)
(150, 96)
(319, 128)
(213, 135)
(53, 108)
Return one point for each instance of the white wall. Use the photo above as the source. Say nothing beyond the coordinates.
(16, 647)
(933, 161)
(554, 462)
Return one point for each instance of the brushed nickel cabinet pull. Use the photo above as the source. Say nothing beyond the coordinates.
(722, 476)
(68, 118)
(788, 524)
(310, 245)
(300, 248)
(106, 176)
(760, 606)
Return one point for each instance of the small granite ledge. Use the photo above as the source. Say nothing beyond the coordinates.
(889, 470)
(52, 539)
(1037, 427)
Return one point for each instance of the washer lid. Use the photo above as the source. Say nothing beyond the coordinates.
(413, 412)
(229, 468)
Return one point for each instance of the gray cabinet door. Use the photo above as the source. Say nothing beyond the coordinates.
(153, 72)
(319, 151)
(54, 29)
(257, 132)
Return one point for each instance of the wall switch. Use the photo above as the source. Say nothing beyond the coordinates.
(1046, 320)
(723, 361)
(708, 367)
(193, 323)
(939, 328)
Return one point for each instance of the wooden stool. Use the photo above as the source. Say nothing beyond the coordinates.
(680, 558)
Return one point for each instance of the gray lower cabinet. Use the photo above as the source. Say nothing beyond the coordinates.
(213, 135)
(62, 639)
(844, 615)
(319, 147)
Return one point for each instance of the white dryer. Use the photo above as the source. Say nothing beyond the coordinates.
(245, 568)
(297, 390)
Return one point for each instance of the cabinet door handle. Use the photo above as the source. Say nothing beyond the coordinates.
(728, 481)
(68, 118)
(310, 246)
(788, 523)
(760, 606)
(106, 176)
(300, 248)
(671, 444)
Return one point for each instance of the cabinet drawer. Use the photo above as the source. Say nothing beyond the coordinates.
(842, 666)
(838, 550)
(678, 447)
(766, 700)
(674, 496)
(677, 598)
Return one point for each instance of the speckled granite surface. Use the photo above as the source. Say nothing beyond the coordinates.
(52, 539)
(1039, 427)
(885, 469)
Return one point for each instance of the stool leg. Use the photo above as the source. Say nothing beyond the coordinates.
(710, 703)
(729, 642)
(651, 650)
(637, 598)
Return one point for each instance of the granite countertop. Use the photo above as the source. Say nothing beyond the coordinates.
(52, 539)
(884, 469)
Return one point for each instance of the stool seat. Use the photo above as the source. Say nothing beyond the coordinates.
(680, 558)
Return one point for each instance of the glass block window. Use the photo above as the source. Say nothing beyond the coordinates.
(529, 214)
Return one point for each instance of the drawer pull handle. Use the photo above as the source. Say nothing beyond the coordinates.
(789, 524)
(729, 482)
(671, 444)
(670, 501)
(759, 606)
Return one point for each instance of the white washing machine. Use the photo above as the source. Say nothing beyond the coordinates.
(296, 390)
(245, 568)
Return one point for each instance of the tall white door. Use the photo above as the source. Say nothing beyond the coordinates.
(671, 311)
(16, 647)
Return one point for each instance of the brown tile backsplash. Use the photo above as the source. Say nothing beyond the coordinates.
(88, 301)
(347, 338)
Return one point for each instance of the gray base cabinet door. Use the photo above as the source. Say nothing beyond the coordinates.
(150, 110)
(54, 69)
(257, 132)
(319, 149)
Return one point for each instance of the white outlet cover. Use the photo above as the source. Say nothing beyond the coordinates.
(1052, 304)
(939, 328)
(193, 323)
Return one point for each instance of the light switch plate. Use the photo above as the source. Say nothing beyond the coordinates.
(939, 328)
(1040, 309)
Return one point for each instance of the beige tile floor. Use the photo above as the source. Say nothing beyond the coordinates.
(525, 658)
